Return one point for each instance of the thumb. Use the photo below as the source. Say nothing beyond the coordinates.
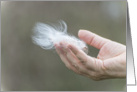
(92, 38)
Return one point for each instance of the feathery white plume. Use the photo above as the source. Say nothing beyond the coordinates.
(47, 35)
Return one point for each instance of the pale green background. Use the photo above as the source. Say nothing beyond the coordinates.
(27, 67)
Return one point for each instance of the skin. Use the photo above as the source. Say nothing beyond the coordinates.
(110, 61)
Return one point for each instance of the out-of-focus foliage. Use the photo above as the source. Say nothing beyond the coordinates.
(26, 66)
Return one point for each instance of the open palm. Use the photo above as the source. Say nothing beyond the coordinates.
(110, 62)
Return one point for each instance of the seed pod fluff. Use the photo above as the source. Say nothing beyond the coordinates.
(46, 36)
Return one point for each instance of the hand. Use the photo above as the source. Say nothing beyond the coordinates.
(110, 62)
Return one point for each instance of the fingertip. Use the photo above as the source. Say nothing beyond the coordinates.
(58, 48)
(80, 32)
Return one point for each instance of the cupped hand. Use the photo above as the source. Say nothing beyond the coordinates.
(110, 61)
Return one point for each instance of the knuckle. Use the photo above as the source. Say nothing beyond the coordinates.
(85, 63)
(79, 61)
(103, 67)
(75, 65)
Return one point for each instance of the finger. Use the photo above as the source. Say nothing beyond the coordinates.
(92, 38)
(62, 55)
(80, 60)
(79, 53)
(63, 46)
(65, 60)
(95, 64)
(76, 62)
(87, 61)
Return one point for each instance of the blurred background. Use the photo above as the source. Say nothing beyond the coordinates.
(27, 67)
